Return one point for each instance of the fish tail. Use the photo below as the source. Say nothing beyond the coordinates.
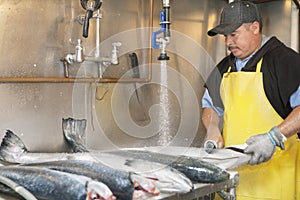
(11, 145)
(74, 133)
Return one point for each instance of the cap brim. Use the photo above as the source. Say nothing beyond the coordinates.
(224, 29)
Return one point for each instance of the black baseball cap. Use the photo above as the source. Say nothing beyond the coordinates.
(234, 15)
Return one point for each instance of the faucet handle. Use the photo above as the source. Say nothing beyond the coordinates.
(114, 53)
(79, 52)
(116, 44)
(78, 42)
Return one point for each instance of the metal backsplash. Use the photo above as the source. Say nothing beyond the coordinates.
(164, 110)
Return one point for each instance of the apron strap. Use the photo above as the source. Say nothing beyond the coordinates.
(258, 66)
(229, 69)
(228, 72)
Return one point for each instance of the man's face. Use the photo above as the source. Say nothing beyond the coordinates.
(244, 41)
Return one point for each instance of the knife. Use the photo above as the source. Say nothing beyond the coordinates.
(238, 148)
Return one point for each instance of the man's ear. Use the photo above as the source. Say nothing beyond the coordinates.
(255, 27)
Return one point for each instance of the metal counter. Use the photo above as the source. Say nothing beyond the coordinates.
(224, 158)
(205, 189)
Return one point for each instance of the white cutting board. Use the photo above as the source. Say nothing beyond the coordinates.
(223, 158)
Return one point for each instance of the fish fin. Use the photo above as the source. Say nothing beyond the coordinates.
(74, 133)
(11, 146)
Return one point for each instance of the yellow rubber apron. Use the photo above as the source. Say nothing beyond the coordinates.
(248, 112)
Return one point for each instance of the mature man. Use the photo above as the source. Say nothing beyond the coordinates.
(257, 90)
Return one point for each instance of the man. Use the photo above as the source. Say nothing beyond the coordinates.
(256, 89)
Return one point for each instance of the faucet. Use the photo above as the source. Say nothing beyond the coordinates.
(90, 6)
(161, 43)
(78, 56)
(114, 53)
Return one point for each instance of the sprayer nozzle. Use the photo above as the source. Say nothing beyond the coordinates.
(163, 56)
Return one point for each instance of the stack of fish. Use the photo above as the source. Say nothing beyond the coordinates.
(84, 174)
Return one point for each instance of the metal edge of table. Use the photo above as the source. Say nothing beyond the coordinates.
(202, 189)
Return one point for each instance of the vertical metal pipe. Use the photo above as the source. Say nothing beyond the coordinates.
(150, 38)
(97, 51)
(166, 8)
(297, 3)
(294, 27)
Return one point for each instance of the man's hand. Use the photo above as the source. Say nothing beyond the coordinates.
(263, 146)
(213, 137)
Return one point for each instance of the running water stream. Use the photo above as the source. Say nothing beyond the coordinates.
(165, 136)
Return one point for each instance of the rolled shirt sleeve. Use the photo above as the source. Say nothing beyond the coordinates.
(207, 103)
(295, 98)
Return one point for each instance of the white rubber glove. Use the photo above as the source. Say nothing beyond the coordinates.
(263, 146)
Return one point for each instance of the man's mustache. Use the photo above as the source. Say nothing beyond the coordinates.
(232, 47)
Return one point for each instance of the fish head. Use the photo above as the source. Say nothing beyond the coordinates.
(165, 178)
(98, 191)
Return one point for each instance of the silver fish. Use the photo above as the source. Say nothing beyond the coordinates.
(195, 169)
(13, 150)
(165, 178)
(52, 185)
(168, 178)
(120, 182)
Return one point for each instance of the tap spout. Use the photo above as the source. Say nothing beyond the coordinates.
(86, 24)
(90, 7)
(161, 43)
